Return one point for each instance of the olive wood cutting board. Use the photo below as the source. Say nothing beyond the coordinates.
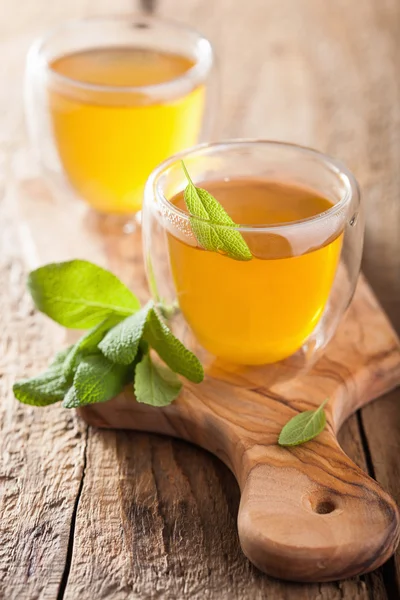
(307, 513)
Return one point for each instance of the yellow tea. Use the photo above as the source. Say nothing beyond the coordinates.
(262, 310)
(109, 139)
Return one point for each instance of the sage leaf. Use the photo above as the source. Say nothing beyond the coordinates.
(98, 380)
(42, 390)
(171, 350)
(71, 399)
(303, 427)
(212, 227)
(155, 384)
(89, 342)
(48, 387)
(78, 294)
(60, 357)
(121, 343)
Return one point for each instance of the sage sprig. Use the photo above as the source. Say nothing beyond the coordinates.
(114, 352)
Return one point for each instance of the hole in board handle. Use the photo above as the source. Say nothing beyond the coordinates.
(324, 507)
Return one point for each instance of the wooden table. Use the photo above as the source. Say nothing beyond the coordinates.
(94, 514)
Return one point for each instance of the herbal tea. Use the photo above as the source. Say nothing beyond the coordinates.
(110, 138)
(261, 310)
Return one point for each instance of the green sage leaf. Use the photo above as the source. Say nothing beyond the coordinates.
(98, 380)
(303, 427)
(155, 384)
(78, 294)
(211, 225)
(121, 343)
(171, 350)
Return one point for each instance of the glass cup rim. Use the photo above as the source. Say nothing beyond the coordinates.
(198, 72)
(349, 182)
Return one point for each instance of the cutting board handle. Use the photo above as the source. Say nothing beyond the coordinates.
(309, 513)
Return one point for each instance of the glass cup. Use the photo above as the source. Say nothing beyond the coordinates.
(107, 99)
(285, 303)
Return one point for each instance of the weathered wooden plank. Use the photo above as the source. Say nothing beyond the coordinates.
(41, 451)
(381, 423)
(352, 443)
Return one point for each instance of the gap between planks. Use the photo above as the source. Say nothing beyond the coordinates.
(70, 547)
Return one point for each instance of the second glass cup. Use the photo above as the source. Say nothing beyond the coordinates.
(107, 99)
(300, 214)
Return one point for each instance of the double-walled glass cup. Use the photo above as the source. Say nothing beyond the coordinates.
(107, 99)
(286, 302)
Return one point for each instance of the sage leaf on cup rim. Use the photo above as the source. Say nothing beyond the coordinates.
(212, 227)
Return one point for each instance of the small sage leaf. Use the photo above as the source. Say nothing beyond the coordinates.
(171, 350)
(98, 380)
(88, 343)
(121, 343)
(155, 384)
(48, 387)
(303, 427)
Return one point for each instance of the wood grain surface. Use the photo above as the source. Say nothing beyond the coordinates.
(148, 517)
